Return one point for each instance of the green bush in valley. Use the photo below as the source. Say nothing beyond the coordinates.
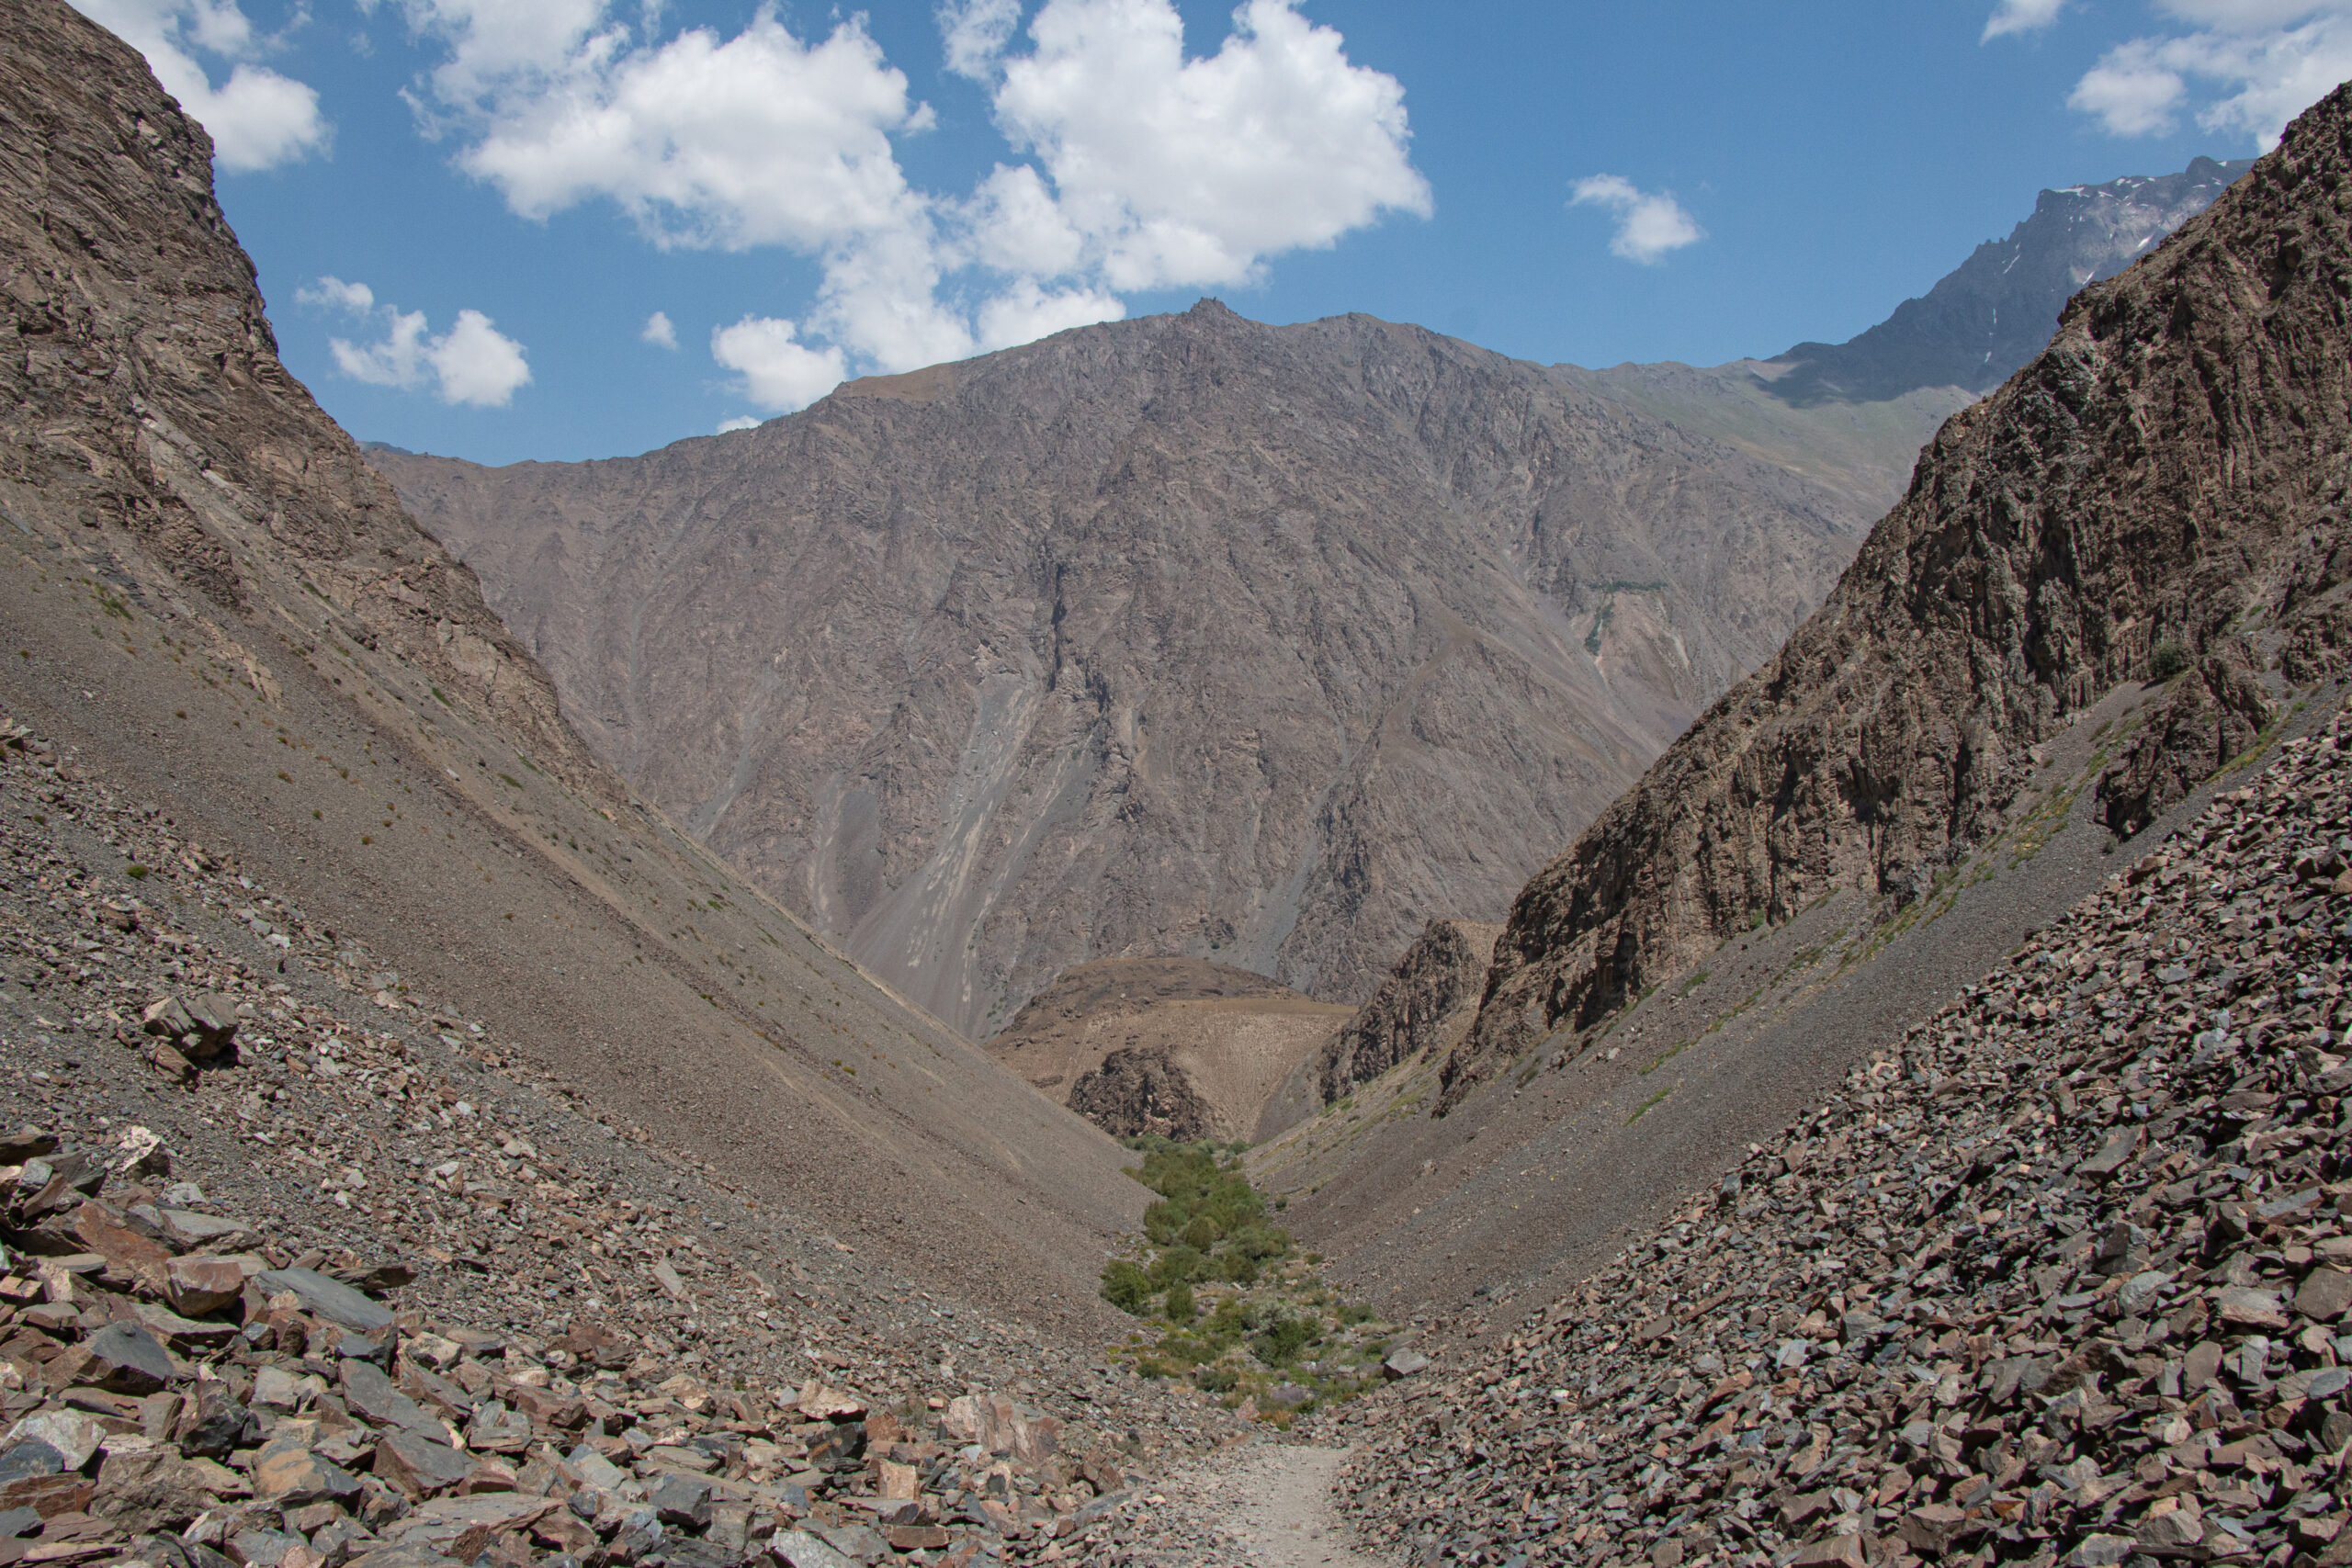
(1124, 1285)
(1238, 1309)
(1177, 1265)
(2168, 660)
(1282, 1340)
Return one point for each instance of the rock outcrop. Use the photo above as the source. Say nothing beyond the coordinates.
(143, 395)
(2168, 473)
(1179, 1047)
(1432, 993)
(1134, 1092)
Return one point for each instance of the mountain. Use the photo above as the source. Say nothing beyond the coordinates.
(329, 757)
(1981, 322)
(2113, 584)
(1181, 636)
(1192, 636)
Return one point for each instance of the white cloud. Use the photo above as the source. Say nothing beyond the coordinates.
(2255, 63)
(658, 332)
(335, 294)
(477, 364)
(2021, 17)
(1025, 312)
(472, 362)
(1151, 171)
(741, 421)
(1183, 172)
(779, 374)
(258, 118)
(1650, 223)
(975, 32)
(755, 141)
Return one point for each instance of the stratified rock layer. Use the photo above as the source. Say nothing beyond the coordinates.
(1432, 991)
(2169, 472)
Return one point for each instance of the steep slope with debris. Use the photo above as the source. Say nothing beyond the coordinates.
(2063, 1276)
(213, 606)
(2163, 488)
(289, 1279)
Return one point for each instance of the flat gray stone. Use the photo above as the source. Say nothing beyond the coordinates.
(330, 1299)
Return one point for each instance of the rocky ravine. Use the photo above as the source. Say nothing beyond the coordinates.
(2061, 1277)
(1177, 635)
(2161, 489)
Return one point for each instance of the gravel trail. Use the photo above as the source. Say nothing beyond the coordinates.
(1259, 1505)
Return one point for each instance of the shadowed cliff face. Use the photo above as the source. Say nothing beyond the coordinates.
(1184, 635)
(2163, 487)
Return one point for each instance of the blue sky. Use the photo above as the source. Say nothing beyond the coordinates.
(466, 212)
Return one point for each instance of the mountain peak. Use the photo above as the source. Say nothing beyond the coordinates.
(1984, 319)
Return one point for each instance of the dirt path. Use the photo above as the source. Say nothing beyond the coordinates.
(1262, 1504)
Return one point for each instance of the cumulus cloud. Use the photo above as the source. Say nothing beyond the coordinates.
(2243, 67)
(2021, 17)
(1135, 166)
(741, 421)
(658, 332)
(1650, 223)
(258, 118)
(976, 33)
(472, 362)
(779, 373)
(1184, 173)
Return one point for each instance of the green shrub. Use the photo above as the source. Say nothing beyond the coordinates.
(1125, 1286)
(1282, 1340)
(1202, 1233)
(1216, 1378)
(1163, 1223)
(1177, 1265)
(1180, 1302)
(2168, 660)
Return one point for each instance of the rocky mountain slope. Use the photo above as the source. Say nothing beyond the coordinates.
(2062, 1275)
(1177, 1047)
(2111, 578)
(1986, 318)
(1177, 635)
(2159, 490)
(212, 606)
(967, 726)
